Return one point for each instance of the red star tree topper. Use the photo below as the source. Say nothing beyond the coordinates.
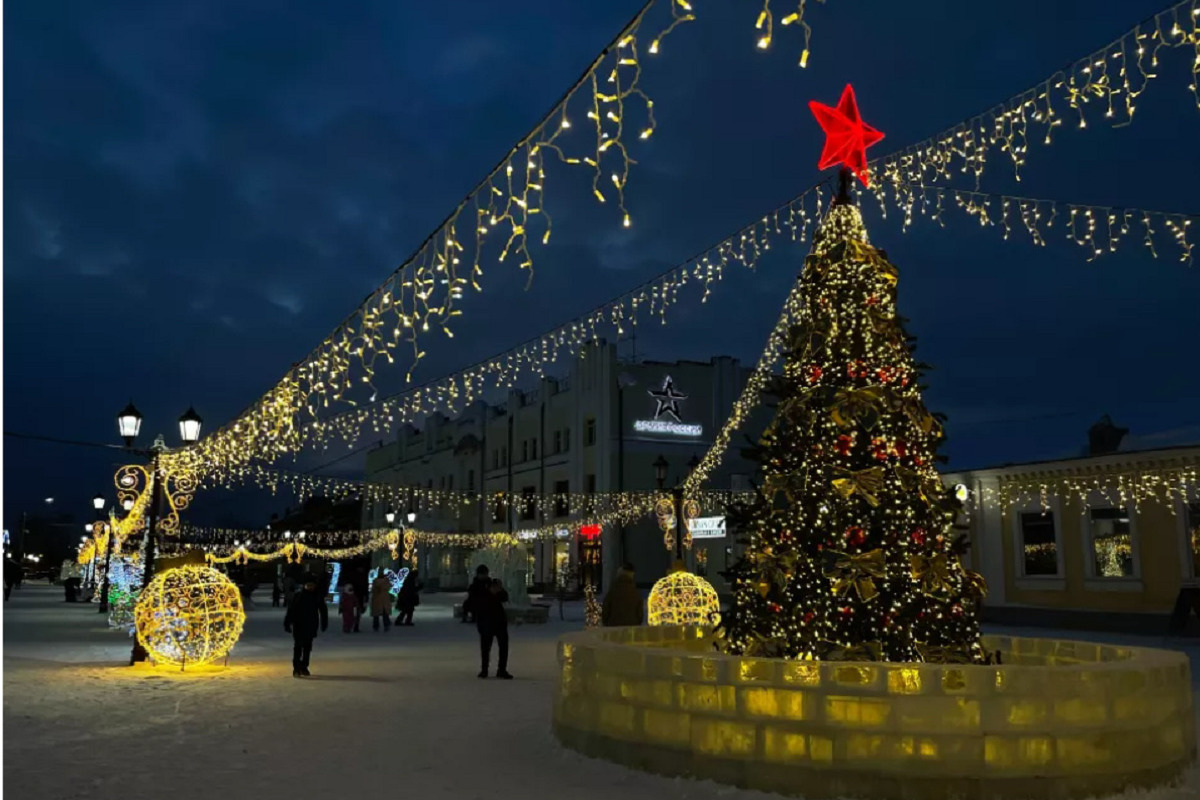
(847, 137)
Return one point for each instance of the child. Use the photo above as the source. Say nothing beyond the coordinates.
(348, 605)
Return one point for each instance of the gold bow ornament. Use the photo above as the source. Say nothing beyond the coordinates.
(865, 482)
(855, 571)
(937, 654)
(864, 651)
(857, 405)
(932, 572)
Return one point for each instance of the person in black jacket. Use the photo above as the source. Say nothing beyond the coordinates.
(408, 598)
(477, 589)
(491, 620)
(306, 611)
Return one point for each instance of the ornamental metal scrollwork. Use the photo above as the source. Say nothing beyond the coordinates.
(179, 487)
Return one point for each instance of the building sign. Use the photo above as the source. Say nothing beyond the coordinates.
(589, 532)
(667, 419)
(708, 528)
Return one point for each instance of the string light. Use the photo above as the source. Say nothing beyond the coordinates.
(1109, 79)
(1097, 229)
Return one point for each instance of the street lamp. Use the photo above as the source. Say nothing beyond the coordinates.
(660, 476)
(390, 516)
(98, 503)
(129, 423)
(411, 516)
(189, 426)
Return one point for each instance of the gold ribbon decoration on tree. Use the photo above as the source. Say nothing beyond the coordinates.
(937, 654)
(864, 651)
(858, 571)
(974, 584)
(854, 405)
(865, 482)
(929, 486)
(932, 572)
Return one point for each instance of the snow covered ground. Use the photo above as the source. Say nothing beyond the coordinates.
(397, 715)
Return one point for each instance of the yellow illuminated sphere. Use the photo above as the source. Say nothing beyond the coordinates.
(682, 598)
(189, 616)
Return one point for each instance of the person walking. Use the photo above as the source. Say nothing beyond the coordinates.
(289, 589)
(306, 611)
(623, 603)
(348, 608)
(407, 599)
(381, 601)
(276, 592)
(491, 620)
(362, 588)
(478, 588)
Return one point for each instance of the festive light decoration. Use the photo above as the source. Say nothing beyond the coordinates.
(1097, 229)
(591, 608)
(682, 598)
(765, 25)
(395, 578)
(124, 586)
(1169, 484)
(1106, 82)
(188, 616)
(850, 554)
(847, 137)
(421, 295)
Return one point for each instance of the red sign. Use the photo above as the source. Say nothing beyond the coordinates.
(590, 532)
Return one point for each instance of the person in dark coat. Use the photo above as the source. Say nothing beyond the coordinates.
(478, 588)
(10, 575)
(407, 599)
(276, 592)
(362, 589)
(491, 620)
(623, 603)
(305, 613)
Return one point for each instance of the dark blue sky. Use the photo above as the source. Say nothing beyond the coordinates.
(197, 192)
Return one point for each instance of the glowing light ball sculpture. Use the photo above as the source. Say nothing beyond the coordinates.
(189, 616)
(682, 598)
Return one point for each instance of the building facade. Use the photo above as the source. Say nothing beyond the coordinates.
(600, 428)
(1111, 562)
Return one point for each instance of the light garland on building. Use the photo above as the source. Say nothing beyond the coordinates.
(189, 616)
(1097, 229)
(1106, 82)
(1123, 487)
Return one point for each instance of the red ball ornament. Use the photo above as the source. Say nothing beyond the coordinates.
(844, 443)
(855, 536)
(918, 536)
(899, 448)
(775, 607)
(857, 368)
(879, 449)
(813, 373)
(808, 617)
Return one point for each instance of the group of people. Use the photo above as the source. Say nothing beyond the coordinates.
(307, 614)
(351, 605)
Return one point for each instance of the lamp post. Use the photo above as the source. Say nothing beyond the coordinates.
(129, 423)
(98, 505)
(660, 477)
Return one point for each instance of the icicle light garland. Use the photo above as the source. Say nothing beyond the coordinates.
(1097, 229)
(1169, 484)
(1108, 80)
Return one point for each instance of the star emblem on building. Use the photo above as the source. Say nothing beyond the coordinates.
(667, 399)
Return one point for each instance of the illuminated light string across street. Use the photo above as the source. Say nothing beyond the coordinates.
(502, 212)
(1103, 85)
(449, 394)
(1097, 229)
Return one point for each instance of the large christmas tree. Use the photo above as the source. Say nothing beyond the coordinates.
(851, 549)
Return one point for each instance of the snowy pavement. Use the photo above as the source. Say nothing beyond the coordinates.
(398, 715)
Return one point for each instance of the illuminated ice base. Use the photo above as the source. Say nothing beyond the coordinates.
(1059, 719)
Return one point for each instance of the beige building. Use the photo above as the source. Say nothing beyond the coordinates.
(600, 428)
(1118, 560)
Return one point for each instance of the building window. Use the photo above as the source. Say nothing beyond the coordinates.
(566, 440)
(525, 450)
(590, 483)
(499, 512)
(557, 442)
(470, 480)
(528, 503)
(1039, 547)
(533, 448)
(589, 432)
(1111, 538)
(562, 500)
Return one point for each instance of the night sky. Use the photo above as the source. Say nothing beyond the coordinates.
(197, 192)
